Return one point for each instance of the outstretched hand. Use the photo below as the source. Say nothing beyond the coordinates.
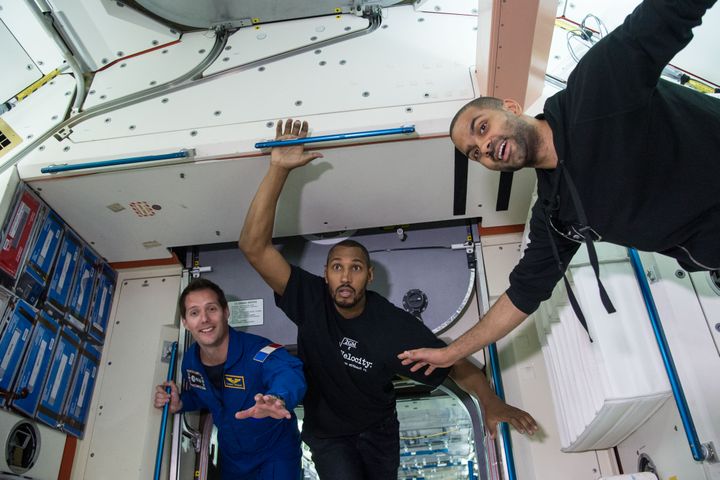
(265, 406)
(431, 358)
(295, 155)
(499, 411)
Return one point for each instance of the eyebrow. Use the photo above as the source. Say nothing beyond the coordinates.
(472, 129)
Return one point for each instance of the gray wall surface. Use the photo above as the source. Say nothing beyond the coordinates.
(422, 261)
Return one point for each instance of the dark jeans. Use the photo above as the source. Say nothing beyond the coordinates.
(371, 455)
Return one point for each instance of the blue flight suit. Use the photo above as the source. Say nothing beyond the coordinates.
(264, 449)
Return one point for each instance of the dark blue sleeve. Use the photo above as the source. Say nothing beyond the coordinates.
(621, 71)
(283, 376)
(190, 402)
(534, 277)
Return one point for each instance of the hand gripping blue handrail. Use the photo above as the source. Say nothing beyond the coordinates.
(500, 392)
(166, 412)
(697, 449)
(118, 161)
(339, 136)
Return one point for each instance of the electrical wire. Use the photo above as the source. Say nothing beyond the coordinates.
(585, 35)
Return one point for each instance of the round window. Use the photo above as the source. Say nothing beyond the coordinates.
(22, 447)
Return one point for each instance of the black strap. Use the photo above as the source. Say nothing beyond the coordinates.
(585, 231)
(504, 189)
(460, 184)
(571, 295)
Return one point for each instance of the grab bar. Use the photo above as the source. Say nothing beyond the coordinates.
(699, 452)
(338, 136)
(166, 411)
(118, 161)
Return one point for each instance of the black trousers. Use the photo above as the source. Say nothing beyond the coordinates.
(371, 455)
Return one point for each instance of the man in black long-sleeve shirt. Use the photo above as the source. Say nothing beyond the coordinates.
(620, 155)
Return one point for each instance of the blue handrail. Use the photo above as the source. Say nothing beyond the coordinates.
(696, 447)
(118, 161)
(504, 429)
(339, 136)
(166, 412)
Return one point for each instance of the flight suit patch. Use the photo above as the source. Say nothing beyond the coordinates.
(265, 352)
(196, 379)
(235, 381)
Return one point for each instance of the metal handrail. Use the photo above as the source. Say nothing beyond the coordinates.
(484, 306)
(166, 412)
(338, 136)
(699, 452)
(500, 392)
(119, 161)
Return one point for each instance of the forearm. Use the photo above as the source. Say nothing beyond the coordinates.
(472, 380)
(257, 231)
(502, 317)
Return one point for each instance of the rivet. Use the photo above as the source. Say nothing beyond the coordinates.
(298, 103)
(270, 124)
(193, 133)
(322, 63)
(217, 113)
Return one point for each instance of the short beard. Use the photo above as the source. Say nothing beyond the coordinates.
(357, 299)
(527, 140)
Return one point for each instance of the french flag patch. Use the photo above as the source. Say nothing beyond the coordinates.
(265, 352)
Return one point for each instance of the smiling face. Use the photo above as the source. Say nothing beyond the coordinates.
(499, 139)
(347, 275)
(206, 319)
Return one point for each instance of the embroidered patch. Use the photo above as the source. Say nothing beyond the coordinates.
(235, 381)
(196, 379)
(265, 352)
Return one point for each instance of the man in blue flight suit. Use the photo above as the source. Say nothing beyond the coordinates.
(249, 384)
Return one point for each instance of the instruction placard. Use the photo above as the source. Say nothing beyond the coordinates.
(244, 313)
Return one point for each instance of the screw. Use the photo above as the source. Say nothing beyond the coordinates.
(680, 273)
(717, 327)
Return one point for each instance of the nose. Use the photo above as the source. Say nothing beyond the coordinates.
(487, 148)
(344, 274)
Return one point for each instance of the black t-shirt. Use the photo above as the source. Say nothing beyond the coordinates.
(215, 374)
(350, 363)
(642, 152)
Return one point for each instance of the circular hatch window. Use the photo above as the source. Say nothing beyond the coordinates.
(22, 447)
(714, 277)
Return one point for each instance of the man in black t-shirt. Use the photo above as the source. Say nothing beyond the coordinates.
(620, 155)
(348, 340)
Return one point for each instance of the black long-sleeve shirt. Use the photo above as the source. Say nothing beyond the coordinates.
(643, 153)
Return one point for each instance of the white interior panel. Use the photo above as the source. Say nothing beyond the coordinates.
(148, 70)
(249, 44)
(49, 104)
(123, 429)
(37, 44)
(206, 202)
(428, 62)
(104, 31)
(19, 70)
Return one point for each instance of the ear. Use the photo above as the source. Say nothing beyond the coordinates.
(325, 274)
(371, 274)
(184, 322)
(513, 106)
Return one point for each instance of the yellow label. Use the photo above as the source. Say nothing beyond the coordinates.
(8, 138)
(235, 381)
